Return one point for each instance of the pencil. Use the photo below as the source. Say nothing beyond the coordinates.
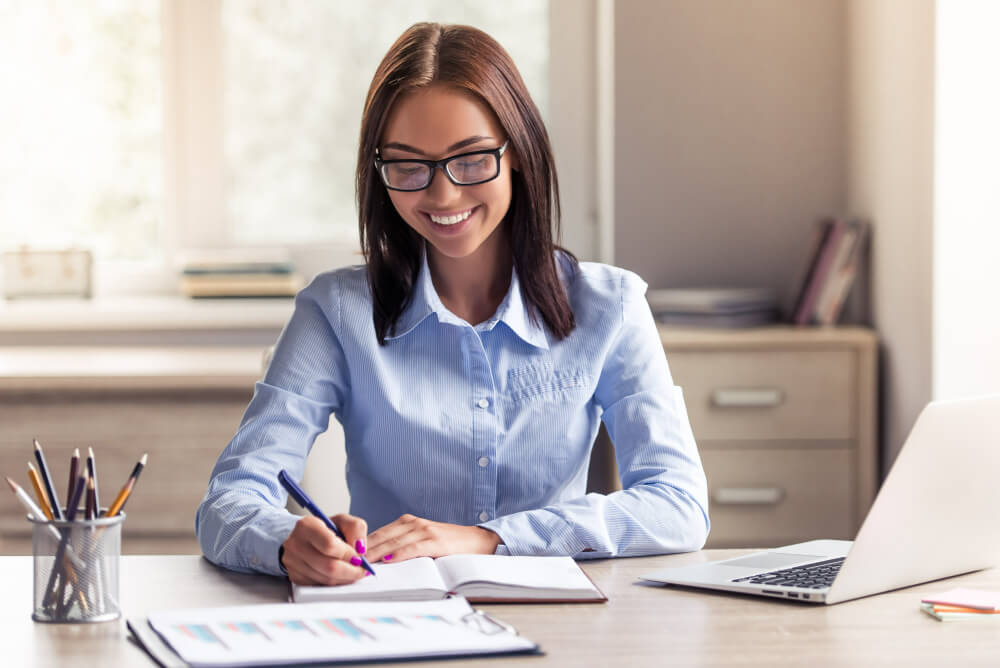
(72, 506)
(74, 463)
(39, 492)
(119, 503)
(43, 471)
(91, 505)
(92, 471)
(37, 513)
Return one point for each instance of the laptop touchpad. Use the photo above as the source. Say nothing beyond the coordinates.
(769, 560)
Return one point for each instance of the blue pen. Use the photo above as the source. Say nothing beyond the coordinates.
(303, 500)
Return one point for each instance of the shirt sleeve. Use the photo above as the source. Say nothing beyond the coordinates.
(242, 520)
(663, 506)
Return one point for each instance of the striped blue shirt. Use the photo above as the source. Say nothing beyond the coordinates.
(488, 425)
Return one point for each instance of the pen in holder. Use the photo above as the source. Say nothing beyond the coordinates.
(76, 569)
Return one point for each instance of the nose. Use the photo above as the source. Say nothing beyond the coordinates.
(441, 190)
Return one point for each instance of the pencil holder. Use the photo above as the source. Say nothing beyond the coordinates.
(76, 569)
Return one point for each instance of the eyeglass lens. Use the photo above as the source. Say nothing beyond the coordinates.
(463, 170)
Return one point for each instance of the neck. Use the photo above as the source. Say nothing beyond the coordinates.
(472, 287)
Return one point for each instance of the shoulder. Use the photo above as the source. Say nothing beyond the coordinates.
(330, 288)
(595, 286)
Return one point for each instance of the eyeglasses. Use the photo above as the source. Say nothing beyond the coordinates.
(466, 169)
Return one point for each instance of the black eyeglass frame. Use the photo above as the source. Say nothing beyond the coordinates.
(443, 165)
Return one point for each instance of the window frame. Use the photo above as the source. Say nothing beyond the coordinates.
(194, 214)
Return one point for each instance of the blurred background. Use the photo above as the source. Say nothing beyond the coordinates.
(170, 171)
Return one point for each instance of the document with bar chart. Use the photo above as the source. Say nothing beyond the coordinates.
(329, 632)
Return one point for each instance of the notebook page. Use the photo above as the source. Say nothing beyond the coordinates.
(286, 633)
(548, 573)
(406, 579)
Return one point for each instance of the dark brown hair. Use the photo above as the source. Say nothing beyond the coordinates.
(470, 60)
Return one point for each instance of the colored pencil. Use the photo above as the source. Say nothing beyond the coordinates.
(72, 505)
(119, 503)
(74, 464)
(37, 513)
(92, 471)
(43, 471)
(39, 492)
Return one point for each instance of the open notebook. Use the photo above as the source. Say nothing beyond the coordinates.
(478, 577)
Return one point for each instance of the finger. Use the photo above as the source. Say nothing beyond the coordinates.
(389, 532)
(355, 531)
(388, 549)
(326, 571)
(319, 537)
(419, 548)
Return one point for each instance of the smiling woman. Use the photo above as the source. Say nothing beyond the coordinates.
(470, 360)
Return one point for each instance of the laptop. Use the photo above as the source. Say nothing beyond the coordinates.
(934, 517)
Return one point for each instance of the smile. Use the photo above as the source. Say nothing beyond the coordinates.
(451, 219)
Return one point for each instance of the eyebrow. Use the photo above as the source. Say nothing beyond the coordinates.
(454, 147)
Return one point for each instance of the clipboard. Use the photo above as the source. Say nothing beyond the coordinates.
(329, 633)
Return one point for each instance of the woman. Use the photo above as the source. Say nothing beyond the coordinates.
(469, 361)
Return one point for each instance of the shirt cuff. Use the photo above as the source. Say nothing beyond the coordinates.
(535, 532)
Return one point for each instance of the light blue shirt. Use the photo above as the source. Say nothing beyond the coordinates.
(488, 425)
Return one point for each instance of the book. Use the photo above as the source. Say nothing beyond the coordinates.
(820, 272)
(241, 285)
(815, 249)
(478, 577)
(328, 633)
(842, 279)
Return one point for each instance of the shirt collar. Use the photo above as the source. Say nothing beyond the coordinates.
(513, 311)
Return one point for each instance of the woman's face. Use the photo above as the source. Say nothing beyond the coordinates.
(438, 122)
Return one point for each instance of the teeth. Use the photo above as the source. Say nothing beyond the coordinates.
(451, 220)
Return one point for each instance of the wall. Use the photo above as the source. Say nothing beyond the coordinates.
(890, 164)
(730, 124)
(967, 199)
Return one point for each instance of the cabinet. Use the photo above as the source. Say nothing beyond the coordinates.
(785, 420)
(179, 404)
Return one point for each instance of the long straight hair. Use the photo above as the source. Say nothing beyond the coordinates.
(470, 60)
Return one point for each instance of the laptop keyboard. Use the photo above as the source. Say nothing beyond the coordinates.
(817, 575)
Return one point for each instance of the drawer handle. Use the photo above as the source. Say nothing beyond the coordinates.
(748, 496)
(747, 398)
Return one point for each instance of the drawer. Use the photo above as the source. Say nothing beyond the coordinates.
(82, 419)
(764, 498)
(734, 395)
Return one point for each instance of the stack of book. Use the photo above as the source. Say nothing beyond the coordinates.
(236, 274)
(837, 251)
(714, 307)
(963, 604)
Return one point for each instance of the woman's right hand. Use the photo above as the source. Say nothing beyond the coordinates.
(313, 555)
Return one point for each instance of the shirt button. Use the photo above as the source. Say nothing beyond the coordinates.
(484, 461)
(483, 516)
(483, 403)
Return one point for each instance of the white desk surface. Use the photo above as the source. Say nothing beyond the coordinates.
(640, 625)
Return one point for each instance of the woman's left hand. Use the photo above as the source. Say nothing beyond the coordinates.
(411, 536)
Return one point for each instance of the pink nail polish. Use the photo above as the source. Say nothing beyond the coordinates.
(359, 546)
(387, 557)
(356, 561)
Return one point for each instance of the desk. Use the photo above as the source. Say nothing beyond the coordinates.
(641, 625)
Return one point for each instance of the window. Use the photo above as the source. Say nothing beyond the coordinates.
(81, 117)
(140, 129)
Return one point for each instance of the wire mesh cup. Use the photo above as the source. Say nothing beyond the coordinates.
(76, 569)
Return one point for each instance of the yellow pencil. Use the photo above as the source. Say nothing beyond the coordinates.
(119, 502)
(36, 482)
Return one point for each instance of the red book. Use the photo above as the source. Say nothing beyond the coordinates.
(821, 273)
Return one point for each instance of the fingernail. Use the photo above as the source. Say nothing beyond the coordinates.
(359, 546)
(356, 561)
(387, 557)
(367, 573)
